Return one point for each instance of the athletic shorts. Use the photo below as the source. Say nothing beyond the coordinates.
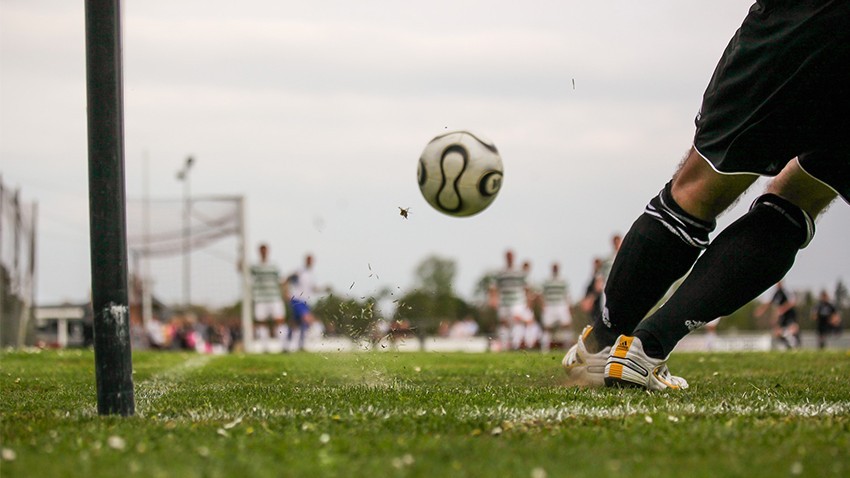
(781, 90)
(264, 311)
(516, 312)
(556, 314)
(299, 309)
(786, 320)
(825, 327)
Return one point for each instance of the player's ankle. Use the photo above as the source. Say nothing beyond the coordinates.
(651, 345)
(598, 339)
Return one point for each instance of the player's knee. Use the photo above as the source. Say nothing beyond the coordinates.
(796, 216)
(691, 230)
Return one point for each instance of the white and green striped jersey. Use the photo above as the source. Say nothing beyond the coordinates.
(554, 292)
(265, 283)
(511, 286)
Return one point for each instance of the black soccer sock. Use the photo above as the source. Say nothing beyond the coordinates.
(660, 247)
(748, 257)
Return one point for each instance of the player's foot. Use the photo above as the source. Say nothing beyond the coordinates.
(629, 366)
(583, 368)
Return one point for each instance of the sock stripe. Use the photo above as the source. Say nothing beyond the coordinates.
(679, 230)
(691, 230)
(682, 218)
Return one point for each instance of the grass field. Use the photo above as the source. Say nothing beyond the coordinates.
(419, 414)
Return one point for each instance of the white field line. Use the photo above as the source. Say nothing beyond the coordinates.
(158, 385)
(168, 380)
(549, 415)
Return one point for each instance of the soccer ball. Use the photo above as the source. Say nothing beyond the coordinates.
(460, 173)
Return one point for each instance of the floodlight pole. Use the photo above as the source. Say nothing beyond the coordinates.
(107, 210)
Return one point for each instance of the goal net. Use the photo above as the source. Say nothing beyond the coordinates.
(189, 255)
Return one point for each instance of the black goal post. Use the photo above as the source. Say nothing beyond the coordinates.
(107, 210)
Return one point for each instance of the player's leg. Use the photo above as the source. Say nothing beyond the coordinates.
(711, 334)
(503, 333)
(517, 333)
(747, 258)
(307, 320)
(663, 244)
(546, 339)
(823, 330)
(261, 317)
(794, 334)
(548, 323)
(302, 314)
(779, 337)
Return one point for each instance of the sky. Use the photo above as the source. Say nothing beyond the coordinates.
(316, 112)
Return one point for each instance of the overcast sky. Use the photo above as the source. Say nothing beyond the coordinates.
(317, 111)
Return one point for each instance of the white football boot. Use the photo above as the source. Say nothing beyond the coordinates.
(583, 368)
(629, 366)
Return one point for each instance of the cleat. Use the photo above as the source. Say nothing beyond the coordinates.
(629, 366)
(583, 368)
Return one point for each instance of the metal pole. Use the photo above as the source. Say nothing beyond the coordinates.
(147, 300)
(187, 227)
(245, 272)
(107, 214)
(183, 175)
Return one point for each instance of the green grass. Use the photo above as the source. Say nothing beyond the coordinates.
(417, 414)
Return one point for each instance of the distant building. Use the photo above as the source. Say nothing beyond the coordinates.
(62, 325)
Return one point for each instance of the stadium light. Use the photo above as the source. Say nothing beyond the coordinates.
(183, 175)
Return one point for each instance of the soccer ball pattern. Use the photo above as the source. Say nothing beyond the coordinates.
(460, 173)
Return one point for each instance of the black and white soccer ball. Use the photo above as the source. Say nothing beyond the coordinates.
(460, 173)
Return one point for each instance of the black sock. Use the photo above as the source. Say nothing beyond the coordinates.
(651, 345)
(746, 259)
(660, 247)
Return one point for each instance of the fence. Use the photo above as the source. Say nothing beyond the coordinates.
(17, 261)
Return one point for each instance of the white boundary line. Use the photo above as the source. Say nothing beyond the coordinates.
(674, 412)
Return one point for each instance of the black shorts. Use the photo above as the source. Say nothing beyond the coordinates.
(824, 326)
(786, 320)
(782, 90)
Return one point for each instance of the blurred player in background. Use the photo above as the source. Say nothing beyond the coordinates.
(526, 332)
(776, 105)
(507, 294)
(827, 317)
(556, 308)
(786, 328)
(711, 334)
(301, 287)
(269, 311)
(608, 262)
(591, 303)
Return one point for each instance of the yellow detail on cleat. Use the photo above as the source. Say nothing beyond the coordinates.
(623, 345)
(615, 370)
